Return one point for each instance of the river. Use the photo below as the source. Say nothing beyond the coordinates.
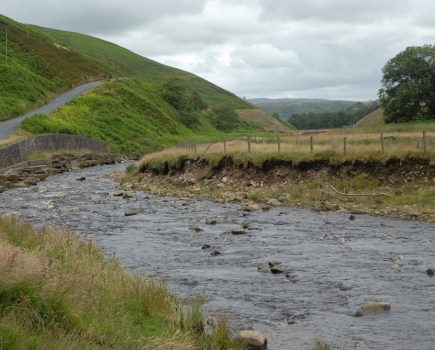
(332, 265)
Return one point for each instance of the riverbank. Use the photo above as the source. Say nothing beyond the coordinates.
(59, 291)
(397, 187)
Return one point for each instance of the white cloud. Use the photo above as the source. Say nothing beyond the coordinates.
(255, 48)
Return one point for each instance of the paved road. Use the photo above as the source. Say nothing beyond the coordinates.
(8, 127)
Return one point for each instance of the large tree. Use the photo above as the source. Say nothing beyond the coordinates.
(408, 85)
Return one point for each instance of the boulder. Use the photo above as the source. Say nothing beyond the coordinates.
(254, 340)
(127, 195)
(251, 207)
(215, 253)
(211, 221)
(238, 231)
(131, 212)
(118, 193)
(273, 202)
(373, 308)
(195, 228)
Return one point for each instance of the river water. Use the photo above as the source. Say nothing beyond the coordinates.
(332, 265)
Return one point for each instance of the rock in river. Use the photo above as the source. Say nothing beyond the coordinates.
(373, 308)
(238, 231)
(254, 340)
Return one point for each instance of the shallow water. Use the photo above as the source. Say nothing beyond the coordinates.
(377, 258)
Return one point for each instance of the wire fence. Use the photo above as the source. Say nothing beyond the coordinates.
(351, 144)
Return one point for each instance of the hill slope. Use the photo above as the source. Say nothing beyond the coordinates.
(147, 106)
(37, 69)
(129, 64)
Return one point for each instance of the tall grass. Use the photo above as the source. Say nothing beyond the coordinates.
(60, 292)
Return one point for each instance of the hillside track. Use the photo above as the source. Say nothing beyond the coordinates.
(9, 126)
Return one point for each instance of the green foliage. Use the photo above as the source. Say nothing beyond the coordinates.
(408, 85)
(348, 116)
(31, 75)
(196, 102)
(225, 119)
(173, 92)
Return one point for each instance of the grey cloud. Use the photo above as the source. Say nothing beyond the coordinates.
(98, 17)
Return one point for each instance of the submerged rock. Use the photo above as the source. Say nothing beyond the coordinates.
(238, 231)
(131, 212)
(373, 308)
(430, 272)
(254, 340)
(195, 228)
(215, 253)
(211, 221)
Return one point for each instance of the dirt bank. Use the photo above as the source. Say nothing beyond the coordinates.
(398, 187)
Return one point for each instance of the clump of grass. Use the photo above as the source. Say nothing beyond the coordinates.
(58, 291)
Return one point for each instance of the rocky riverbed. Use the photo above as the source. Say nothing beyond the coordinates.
(293, 273)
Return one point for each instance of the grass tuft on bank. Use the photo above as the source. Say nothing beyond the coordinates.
(60, 292)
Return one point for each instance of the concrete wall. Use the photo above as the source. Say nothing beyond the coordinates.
(18, 152)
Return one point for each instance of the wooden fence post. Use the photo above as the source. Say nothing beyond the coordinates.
(311, 144)
(249, 144)
(279, 145)
(382, 143)
(424, 142)
(345, 145)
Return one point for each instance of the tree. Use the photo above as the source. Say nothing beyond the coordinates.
(174, 93)
(408, 85)
(196, 102)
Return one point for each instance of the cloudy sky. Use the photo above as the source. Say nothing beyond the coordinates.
(332, 49)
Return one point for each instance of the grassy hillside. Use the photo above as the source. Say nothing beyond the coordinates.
(145, 105)
(288, 106)
(133, 116)
(129, 64)
(37, 68)
(375, 122)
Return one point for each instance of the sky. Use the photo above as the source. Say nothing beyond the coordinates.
(330, 49)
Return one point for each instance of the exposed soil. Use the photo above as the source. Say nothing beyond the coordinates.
(396, 187)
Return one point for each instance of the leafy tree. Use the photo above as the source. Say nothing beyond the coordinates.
(408, 85)
(196, 102)
(173, 92)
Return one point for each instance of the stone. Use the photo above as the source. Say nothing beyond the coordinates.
(81, 179)
(238, 231)
(206, 246)
(273, 202)
(215, 253)
(250, 207)
(211, 221)
(131, 212)
(352, 217)
(373, 308)
(276, 270)
(195, 228)
(127, 195)
(430, 272)
(118, 193)
(254, 340)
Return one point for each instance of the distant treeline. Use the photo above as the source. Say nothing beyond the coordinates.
(328, 120)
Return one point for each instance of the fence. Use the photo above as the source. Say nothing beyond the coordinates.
(351, 144)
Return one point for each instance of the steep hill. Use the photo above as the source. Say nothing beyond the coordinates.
(145, 105)
(36, 68)
(124, 63)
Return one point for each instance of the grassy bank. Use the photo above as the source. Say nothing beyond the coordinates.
(382, 185)
(60, 292)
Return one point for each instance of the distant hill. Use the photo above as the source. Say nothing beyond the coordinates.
(285, 107)
(142, 105)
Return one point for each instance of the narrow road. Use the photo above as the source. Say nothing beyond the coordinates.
(9, 126)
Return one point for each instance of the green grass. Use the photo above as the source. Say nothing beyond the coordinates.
(129, 116)
(129, 64)
(37, 69)
(60, 292)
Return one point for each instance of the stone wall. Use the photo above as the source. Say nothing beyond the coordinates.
(18, 152)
